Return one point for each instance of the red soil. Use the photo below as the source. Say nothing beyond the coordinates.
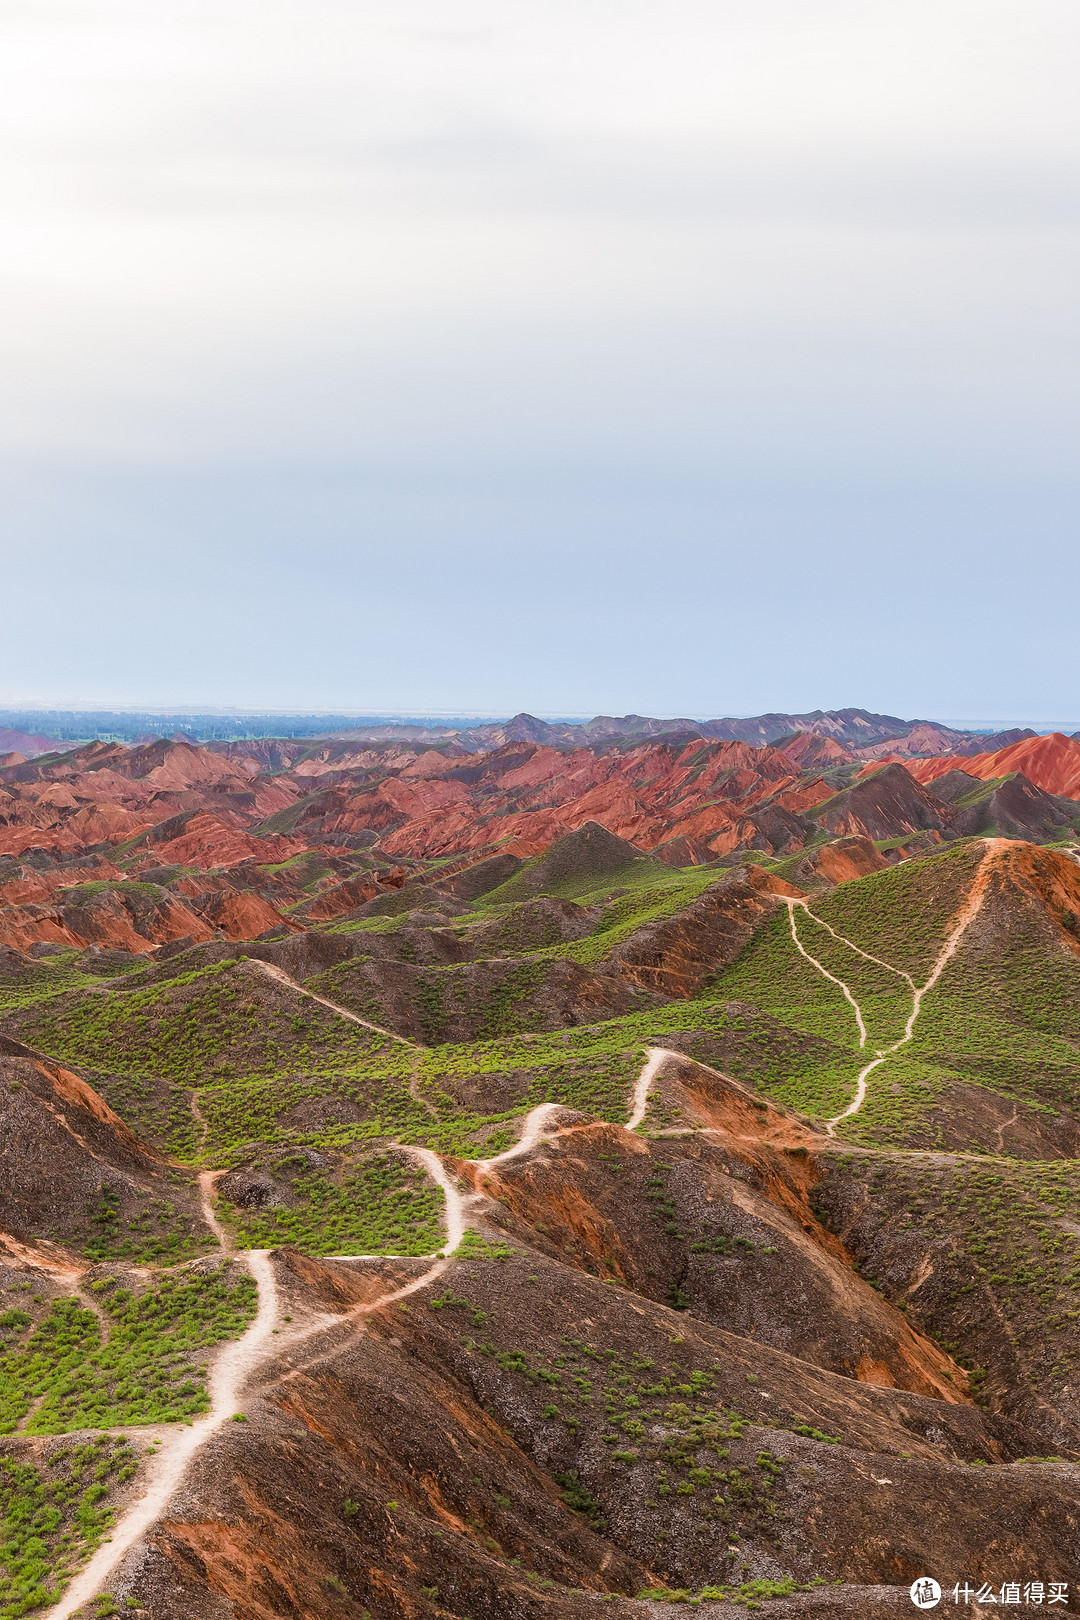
(848, 858)
(241, 914)
(213, 809)
(206, 841)
(809, 748)
(1052, 763)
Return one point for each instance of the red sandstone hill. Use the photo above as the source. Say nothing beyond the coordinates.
(1051, 763)
(807, 748)
(26, 743)
(321, 825)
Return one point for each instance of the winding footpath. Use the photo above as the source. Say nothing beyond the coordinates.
(964, 918)
(236, 1363)
(231, 1371)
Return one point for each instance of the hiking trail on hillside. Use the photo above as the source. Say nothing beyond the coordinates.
(237, 1361)
(963, 920)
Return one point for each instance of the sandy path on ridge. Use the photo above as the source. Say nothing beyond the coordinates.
(239, 1360)
(963, 920)
(230, 1372)
(343, 1012)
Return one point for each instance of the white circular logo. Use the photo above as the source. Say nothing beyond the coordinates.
(925, 1593)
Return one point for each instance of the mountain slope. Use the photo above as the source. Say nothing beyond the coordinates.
(1051, 763)
(585, 1229)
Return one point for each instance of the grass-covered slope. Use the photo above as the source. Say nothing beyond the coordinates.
(232, 1067)
(768, 1289)
(132, 1356)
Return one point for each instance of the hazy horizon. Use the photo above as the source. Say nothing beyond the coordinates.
(452, 718)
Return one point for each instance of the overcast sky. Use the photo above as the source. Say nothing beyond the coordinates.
(678, 356)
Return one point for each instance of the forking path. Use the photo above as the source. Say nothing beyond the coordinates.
(964, 918)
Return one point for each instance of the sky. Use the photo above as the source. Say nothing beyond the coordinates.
(680, 357)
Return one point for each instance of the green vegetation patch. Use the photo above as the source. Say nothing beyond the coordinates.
(772, 974)
(158, 1111)
(623, 916)
(66, 1373)
(41, 980)
(899, 1096)
(1005, 1246)
(223, 1021)
(903, 913)
(51, 1518)
(79, 893)
(591, 1070)
(748, 1594)
(642, 873)
(1007, 1013)
(382, 1205)
(157, 1230)
(331, 1110)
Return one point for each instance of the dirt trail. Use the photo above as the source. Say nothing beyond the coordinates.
(964, 918)
(1004, 1126)
(207, 1181)
(791, 904)
(640, 1100)
(859, 1098)
(233, 1366)
(343, 1012)
(457, 1207)
(531, 1132)
(239, 1360)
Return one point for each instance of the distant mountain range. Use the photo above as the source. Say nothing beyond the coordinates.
(226, 839)
(858, 729)
(34, 732)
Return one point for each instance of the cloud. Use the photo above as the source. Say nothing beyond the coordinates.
(219, 214)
